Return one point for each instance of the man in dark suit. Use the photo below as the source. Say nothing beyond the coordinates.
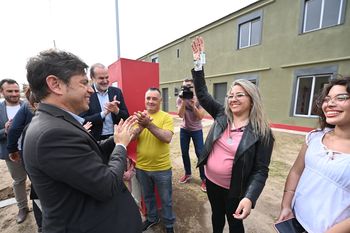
(79, 181)
(106, 106)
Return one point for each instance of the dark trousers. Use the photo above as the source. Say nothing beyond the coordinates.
(37, 215)
(185, 139)
(221, 205)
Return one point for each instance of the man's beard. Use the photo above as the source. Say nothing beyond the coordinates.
(11, 101)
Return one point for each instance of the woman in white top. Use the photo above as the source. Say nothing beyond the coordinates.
(317, 190)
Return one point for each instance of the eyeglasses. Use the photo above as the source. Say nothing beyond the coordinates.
(340, 98)
(238, 96)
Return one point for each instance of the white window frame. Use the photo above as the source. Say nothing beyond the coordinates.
(249, 34)
(340, 15)
(248, 19)
(311, 99)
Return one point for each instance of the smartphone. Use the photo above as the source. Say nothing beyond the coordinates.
(289, 226)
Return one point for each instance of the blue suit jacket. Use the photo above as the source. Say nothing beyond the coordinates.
(94, 113)
(4, 154)
(22, 118)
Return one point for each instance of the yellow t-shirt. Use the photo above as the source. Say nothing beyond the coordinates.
(153, 154)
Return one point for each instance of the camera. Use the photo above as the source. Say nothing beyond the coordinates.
(186, 92)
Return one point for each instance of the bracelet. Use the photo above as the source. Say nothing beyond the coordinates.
(289, 191)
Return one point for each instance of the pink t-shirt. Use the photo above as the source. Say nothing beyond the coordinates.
(190, 120)
(220, 161)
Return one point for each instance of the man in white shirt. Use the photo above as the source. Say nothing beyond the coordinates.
(9, 88)
(107, 106)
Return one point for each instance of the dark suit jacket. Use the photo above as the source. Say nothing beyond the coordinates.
(94, 112)
(79, 185)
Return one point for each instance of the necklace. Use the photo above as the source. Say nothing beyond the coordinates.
(229, 138)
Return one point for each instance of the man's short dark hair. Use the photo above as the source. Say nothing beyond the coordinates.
(188, 80)
(7, 80)
(154, 89)
(61, 64)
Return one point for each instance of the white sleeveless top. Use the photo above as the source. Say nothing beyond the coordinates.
(322, 197)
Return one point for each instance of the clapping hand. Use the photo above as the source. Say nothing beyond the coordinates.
(143, 119)
(87, 126)
(112, 106)
(123, 131)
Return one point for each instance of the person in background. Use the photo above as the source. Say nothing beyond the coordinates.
(9, 88)
(237, 149)
(14, 145)
(153, 166)
(319, 179)
(78, 180)
(106, 107)
(192, 114)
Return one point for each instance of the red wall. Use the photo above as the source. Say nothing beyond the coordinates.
(134, 78)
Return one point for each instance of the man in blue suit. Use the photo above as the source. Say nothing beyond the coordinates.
(106, 106)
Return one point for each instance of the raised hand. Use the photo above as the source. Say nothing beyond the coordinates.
(197, 47)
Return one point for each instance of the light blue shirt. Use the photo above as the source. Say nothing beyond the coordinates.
(78, 118)
(108, 127)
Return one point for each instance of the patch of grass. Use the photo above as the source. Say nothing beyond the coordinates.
(279, 169)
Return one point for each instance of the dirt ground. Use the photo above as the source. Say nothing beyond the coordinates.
(191, 206)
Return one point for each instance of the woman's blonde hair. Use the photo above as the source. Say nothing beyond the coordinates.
(257, 117)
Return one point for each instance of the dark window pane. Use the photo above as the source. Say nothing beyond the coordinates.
(331, 12)
(256, 32)
(312, 15)
(320, 82)
(220, 90)
(244, 35)
(303, 96)
(155, 60)
(165, 101)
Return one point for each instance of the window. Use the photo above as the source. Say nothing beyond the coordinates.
(155, 59)
(220, 90)
(165, 101)
(252, 77)
(307, 89)
(249, 33)
(320, 14)
(177, 53)
(249, 29)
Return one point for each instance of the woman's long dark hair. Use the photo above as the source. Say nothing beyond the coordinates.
(339, 80)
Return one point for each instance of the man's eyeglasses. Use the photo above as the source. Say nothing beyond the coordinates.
(340, 98)
(238, 96)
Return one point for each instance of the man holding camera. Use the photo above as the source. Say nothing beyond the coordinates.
(192, 114)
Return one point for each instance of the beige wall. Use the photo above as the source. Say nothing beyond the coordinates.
(282, 51)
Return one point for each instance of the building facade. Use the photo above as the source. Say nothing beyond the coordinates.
(290, 49)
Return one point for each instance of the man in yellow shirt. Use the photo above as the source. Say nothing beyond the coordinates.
(153, 165)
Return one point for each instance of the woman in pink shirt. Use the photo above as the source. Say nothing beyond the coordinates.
(237, 149)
